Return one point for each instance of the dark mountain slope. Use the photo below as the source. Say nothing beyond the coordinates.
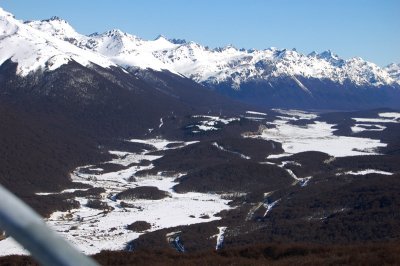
(284, 92)
(110, 102)
(37, 152)
(54, 121)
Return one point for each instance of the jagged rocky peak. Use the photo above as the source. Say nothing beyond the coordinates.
(94, 34)
(56, 27)
(115, 32)
(312, 54)
(230, 47)
(57, 18)
(177, 41)
(328, 54)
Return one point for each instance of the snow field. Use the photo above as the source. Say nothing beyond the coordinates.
(92, 230)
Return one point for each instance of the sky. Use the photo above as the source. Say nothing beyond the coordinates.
(366, 28)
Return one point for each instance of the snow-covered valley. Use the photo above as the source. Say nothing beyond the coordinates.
(105, 228)
(103, 222)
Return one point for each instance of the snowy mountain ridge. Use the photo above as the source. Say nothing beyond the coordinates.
(212, 66)
(220, 64)
(35, 50)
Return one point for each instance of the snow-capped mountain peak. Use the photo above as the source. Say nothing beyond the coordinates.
(394, 71)
(4, 13)
(115, 33)
(160, 36)
(34, 49)
(56, 27)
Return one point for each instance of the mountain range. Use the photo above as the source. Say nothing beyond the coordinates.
(269, 78)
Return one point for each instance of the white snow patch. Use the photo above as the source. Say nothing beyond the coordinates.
(70, 190)
(255, 113)
(269, 206)
(217, 118)
(393, 115)
(220, 237)
(365, 172)
(317, 136)
(234, 152)
(297, 113)
(254, 118)
(211, 123)
(304, 181)
(206, 128)
(284, 163)
(301, 85)
(9, 246)
(366, 127)
(45, 193)
(127, 158)
(376, 120)
(160, 144)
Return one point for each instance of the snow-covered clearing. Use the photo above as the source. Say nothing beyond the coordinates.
(217, 118)
(392, 115)
(93, 230)
(297, 114)
(374, 120)
(388, 117)
(317, 136)
(367, 127)
(210, 123)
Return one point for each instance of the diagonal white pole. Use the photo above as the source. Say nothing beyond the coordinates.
(28, 228)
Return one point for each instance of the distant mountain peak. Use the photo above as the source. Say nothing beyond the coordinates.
(36, 45)
(94, 34)
(52, 19)
(115, 32)
(177, 41)
(394, 65)
(312, 54)
(161, 37)
(328, 54)
(56, 18)
(393, 70)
